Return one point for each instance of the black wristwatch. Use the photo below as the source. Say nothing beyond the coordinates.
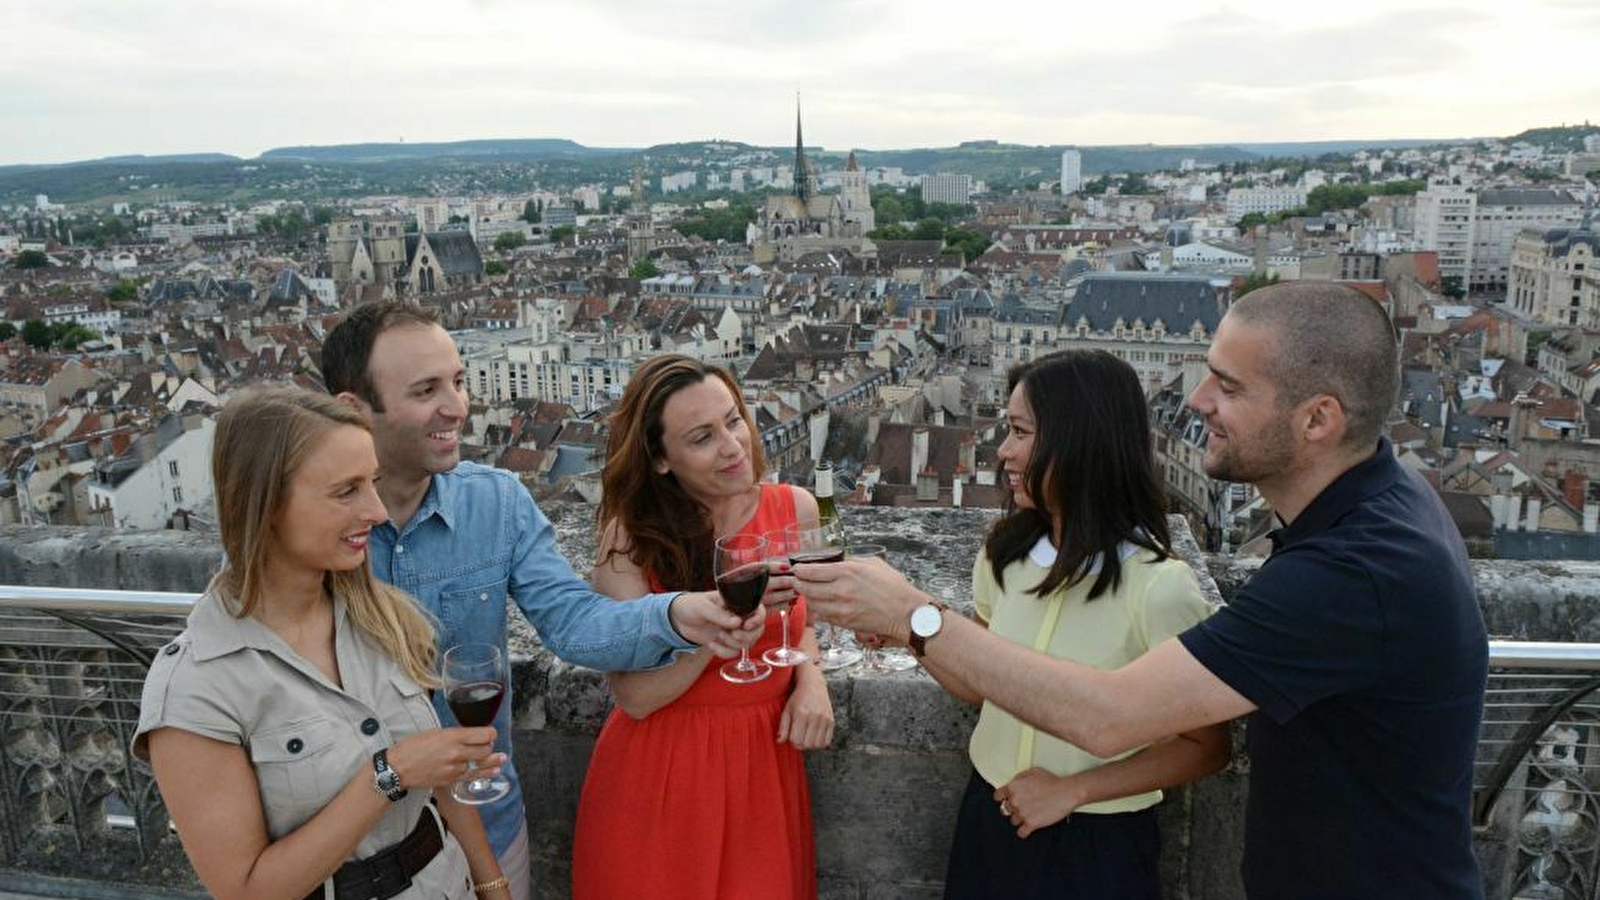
(384, 779)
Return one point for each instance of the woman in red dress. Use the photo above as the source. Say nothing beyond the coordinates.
(697, 788)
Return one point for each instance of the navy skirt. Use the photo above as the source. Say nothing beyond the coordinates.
(1088, 856)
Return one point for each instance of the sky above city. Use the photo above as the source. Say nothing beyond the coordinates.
(81, 79)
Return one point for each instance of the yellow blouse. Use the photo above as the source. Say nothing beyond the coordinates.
(1154, 601)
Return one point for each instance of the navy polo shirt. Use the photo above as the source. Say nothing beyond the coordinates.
(1361, 643)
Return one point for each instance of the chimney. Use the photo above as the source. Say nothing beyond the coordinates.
(1534, 507)
(1166, 257)
(1497, 510)
(967, 458)
(955, 489)
(919, 451)
(927, 485)
(873, 421)
(1514, 512)
(1574, 487)
(1260, 269)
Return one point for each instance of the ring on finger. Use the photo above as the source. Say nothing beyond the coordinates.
(1005, 808)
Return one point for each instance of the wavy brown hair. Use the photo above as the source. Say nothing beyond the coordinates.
(262, 438)
(669, 532)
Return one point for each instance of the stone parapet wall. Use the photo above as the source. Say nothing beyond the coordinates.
(885, 794)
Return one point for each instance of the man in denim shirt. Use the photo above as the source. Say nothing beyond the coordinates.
(462, 536)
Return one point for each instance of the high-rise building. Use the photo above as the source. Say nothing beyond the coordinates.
(1473, 231)
(1071, 172)
(946, 188)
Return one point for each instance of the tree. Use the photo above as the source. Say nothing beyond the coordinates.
(970, 243)
(1255, 281)
(69, 334)
(643, 269)
(126, 290)
(7, 331)
(494, 267)
(1450, 286)
(561, 233)
(36, 334)
(530, 213)
(509, 240)
(1249, 221)
(30, 259)
(929, 229)
(887, 209)
(891, 232)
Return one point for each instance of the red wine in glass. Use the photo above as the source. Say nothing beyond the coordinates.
(474, 685)
(819, 555)
(742, 588)
(475, 702)
(740, 568)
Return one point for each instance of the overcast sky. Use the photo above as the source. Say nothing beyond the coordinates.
(88, 78)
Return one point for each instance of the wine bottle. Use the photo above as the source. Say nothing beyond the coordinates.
(827, 510)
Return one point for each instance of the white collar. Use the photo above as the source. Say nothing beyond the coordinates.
(1044, 554)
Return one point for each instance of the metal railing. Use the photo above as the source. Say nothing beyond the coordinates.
(73, 662)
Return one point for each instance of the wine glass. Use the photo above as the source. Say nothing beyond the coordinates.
(779, 544)
(879, 659)
(741, 571)
(824, 545)
(474, 685)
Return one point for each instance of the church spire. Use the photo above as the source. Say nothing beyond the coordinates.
(805, 177)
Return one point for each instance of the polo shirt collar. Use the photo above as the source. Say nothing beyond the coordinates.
(1372, 476)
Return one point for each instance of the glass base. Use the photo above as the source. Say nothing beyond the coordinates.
(745, 671)
(784, 656)
(838, 658)
(478, 791)
(892, 660)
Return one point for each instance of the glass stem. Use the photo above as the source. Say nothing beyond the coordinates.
(783, 623)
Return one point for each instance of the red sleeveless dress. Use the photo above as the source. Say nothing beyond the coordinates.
(698, 800)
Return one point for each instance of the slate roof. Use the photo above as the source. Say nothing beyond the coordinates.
(1177, 300)
(1525, 197)
(456, 251)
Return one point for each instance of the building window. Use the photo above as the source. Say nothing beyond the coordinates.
(177, 495)
(172, 468)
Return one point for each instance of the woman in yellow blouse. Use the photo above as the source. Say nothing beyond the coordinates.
(1081, 568)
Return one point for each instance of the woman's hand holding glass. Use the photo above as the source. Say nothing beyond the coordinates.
(440, 756)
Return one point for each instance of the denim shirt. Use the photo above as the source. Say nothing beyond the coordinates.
(478, 537)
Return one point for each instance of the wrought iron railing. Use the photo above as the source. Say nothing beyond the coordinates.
(72, 663)
(73, 800)
(1538, 778)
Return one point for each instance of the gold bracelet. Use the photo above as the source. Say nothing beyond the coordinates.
(487, 886)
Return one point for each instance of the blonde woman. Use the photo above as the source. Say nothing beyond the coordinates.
(289, 725)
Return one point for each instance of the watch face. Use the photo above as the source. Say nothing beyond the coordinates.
(389, 780)
(926, 620)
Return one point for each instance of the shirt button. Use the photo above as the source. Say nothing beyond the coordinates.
(399, 549)
(171, 649)
(295, 745)
(369, 727)
(484, 596)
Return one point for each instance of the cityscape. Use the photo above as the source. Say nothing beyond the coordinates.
(869, 302)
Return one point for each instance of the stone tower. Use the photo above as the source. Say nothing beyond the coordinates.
(856, 199)
(640, 228)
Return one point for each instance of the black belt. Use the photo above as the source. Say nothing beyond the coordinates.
(390, 870)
